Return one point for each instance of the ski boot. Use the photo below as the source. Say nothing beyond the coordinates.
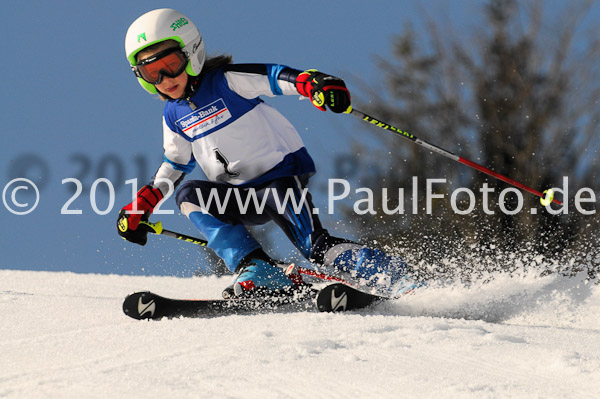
(370, 268)
(259, 275)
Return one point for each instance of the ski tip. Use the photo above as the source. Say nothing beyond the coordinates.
(332, 298)
(140, 305)
(340, 297)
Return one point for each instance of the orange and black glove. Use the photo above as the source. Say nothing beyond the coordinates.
(128, 224)
(324, 90)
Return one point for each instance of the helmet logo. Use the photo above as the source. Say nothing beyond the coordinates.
(142, 36)
(179, 23)
(196, 45)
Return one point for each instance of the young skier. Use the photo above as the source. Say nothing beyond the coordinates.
(214, 117)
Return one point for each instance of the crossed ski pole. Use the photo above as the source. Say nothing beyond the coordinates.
(291, 270)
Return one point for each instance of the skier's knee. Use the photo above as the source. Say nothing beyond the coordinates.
(184, 193)
(322, 243)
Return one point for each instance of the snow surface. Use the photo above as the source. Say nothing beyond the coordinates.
(63, 335)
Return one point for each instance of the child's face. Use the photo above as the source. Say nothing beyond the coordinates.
(172, 87)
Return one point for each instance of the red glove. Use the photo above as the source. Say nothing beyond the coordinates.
(144, 203)
(324, 90)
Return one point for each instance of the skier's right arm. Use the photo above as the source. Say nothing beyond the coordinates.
(128, 223)
(178, 161)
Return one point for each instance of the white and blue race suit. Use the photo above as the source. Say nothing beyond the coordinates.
(240, 143)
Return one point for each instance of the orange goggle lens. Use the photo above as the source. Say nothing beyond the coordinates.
(171, 63)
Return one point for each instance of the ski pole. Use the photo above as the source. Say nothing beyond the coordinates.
(292, 270)
(545, 197)
(156, 228)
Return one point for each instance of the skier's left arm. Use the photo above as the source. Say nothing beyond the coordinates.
(324, 91)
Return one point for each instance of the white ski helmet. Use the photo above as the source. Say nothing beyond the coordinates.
(158, 26)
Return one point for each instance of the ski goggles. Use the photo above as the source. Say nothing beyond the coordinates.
(170, 62)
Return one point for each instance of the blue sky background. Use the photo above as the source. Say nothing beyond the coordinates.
(72, 108)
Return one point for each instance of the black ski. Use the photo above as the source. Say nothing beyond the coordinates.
(340, 297)
(147, 305)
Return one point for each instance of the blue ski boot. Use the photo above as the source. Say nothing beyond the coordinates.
(258, 274)
(371, 269)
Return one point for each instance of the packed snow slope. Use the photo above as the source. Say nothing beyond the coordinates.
(63, 335)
